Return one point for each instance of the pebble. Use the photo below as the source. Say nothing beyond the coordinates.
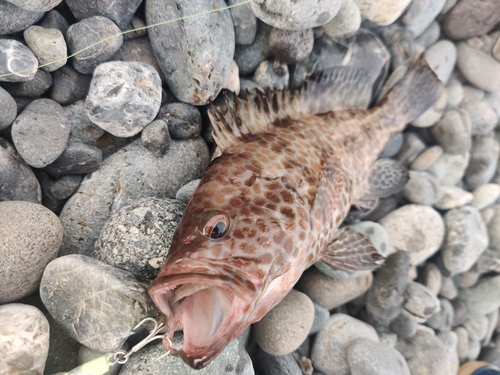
(427, 158)
(196, 57)
(248, 57)
(483, 161)
(290, 46)
(54, 20)
(90, 32)
(48, 45)
(392, 147)
(120, 12)
(431, 277)
(449, 168)
(404, 325)
(124, 97)
(137, 238)
(8, 109)
(25, 339)
(233, 360)
(161, 177)
(382, 12)
(476, 326)
(442, 318)
(412, 147)
(462, 342)
(422, 188)
(330, 292)
(155, 137)
(69, 86)
(14, 19)
(65, 186)
(455, 93)
(102, 320)
(329, 349)
(466, 238)
(471, 95)
(482, 298)
(186, 192)
(460, 312)
(184, 120)
(424, 353)
(485, 195)
(420, 302)
(31, 236)
(369, 357)
(321, 317)
(493, 99)
(473, 350)
(494, 228)
(286, 326)
(17, 61)
(82, 129)
(346, 22)
(450, 341)
(478, 67)
(18, 180)
(453, 132)
(417, 229)
(448, 288)
(267, 364)
(482, 117)
(442, 57)
(491, 328)
(244, 21)
(430, 36)
(272, 74)
(301, 15)
(433, 114)
(420, 15)
(77, 158)
(30, 89)
(36, 5)
(471, 18)
(383, 306)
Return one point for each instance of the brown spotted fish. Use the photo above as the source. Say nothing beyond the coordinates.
(292, 165)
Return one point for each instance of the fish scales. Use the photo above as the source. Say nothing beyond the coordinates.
(271, 204)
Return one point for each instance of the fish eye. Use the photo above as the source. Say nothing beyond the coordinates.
(216, 226)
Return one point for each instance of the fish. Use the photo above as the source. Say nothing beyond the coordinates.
(292, 164)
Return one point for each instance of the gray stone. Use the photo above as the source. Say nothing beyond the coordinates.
(31, 89)
(41, 132)
(382, 12)
(427, 158)
(77, 158)
(17, 62)
(414, 228)
(120, 12)
(48, 45)
(196, 57)
(36, 5)
(14, 19)
(321, 317)
(18, 182)
(155, 137)
(65, 186)
(455, 93)
(287, 325)
(184, 120)
(494, 228)
(295, 16)
(491, 327)
(466, 238)
(471, 95)
(483, 161)
(369, 357)
(420, 15)
(453, 132)
(431, 277)
(442, 57)
(477, 327)
(291, 46)
(137, 238)
(482, 117)
(124, 97)
(268, 364)
(139, 174)
(473, 351)
(420, 302)
(25, 339)
(430, 36)
(346, 22)
(69, 85)
(186, 192)
(329, 350)
(244, 21)
(404, 325)
(450, 341)
(452, 197)
(90, 32)
(403, 46)
(82, 129)
(248, 57)
(30, 238)
(442, 319)
(462, 342)
(8, 109)
(448, 288)
(272, 74)
(412, 147)
(449, 168)
(482, 298)
(54, 20)
(478, 67)
(98, 305)
(470, 18)
(460, 312)
(422, 188)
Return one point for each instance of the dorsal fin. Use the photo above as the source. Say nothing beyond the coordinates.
(335, 89)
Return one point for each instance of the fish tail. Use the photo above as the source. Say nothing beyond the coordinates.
(414, 94)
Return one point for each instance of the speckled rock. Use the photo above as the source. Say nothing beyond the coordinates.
(346, 22)
(449, 169)
(412, 147)
(482, 117)
(14, 19)
(483, 161)
(155, 137)
(36, 5)
(431, 277)
(478, 67)
(442, 57)
(291, 46)
(422, 188)
(25, 339)
(482, 298)
(16, 61)
(268, 364)
(420, 302)
(102, 319)
(244, 21)
(48, 45)
(382, 12)
(430, 35)
(420, 15)
(137, 238)
(329, 349)
(184, 120)
(30, 238)
(195, 58)
(471, 18)
(455, 93)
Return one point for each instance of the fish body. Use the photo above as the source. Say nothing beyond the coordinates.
(270, 206)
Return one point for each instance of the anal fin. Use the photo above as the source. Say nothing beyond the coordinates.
(351, 251)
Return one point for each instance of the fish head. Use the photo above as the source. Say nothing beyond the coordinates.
(226, 269)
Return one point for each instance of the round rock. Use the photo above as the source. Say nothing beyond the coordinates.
(248, 57)
(14, 19)
(442, 57)
(64, 187)
(422, 188)
(78, 158)
(449, 168)
(483, 161)
(30, 89)
(184, 120)
(124, 97)
(382, 12)
(54, 20)
(482, 117)
(36, 5)
(155, 137)
(25, 339)
(30, 236)
(346, 22)
(48, 45)
(442, 319)
(82, 129)
(290, 46)
(453, 132)
(485, 196)
(287, 325)
(8, 109)
(478, 67)
(420, 302)
(471, 18)
(420, 15)
(244, 21)
(476, 326)
(16, 60)
(482, 298)
(427, 158)
(186, 192)
(69, 86)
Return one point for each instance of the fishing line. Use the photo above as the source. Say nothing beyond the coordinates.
(127, 32)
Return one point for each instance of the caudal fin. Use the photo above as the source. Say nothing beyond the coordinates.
(414, 94)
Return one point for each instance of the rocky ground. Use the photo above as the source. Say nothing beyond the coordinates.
(99, 154)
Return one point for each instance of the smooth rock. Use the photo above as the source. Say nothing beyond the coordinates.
(430, 36)
(196, 57)
(137, 238)
(155, 137)
(69, 85)
(286, 326)
(65, 186)
(442, 57)
(416, 229)
(17, 62)
(329, 350)
(462, 342)
(478, 67)
(448, 288)
(291, 46)
(476, 326)
(404, 325)
(301, 15)
(82, 129)
(30, 89)
(184, 120)
(382, 12)
(18, 182)
(449, 168)
(473, 351)
(30, 236)
(346, 22)
(433, 114)
(427, 158)
(77, 158)
(471, 95)
(115, 294)
(248, 57)
(455, 93)
(422, 188)
(482, 298)
(14, 19)
(431, 277)
(268, 364)
(494, 228)
(321, 317)
(453, 132)
(244, 22)
(420, 302)
(54, 20)
(412, 147)
(90, 32)
(25, 339)
(36, 5)
(450, 341)
(420, 15)
(482, 117)
(485, 195)
(442, 319)
(48, 45)
(483, 161)
(186, 192)
(8, 109)
(471, 18)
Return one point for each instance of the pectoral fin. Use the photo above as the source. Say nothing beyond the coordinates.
(351, 251)
(387, 177)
